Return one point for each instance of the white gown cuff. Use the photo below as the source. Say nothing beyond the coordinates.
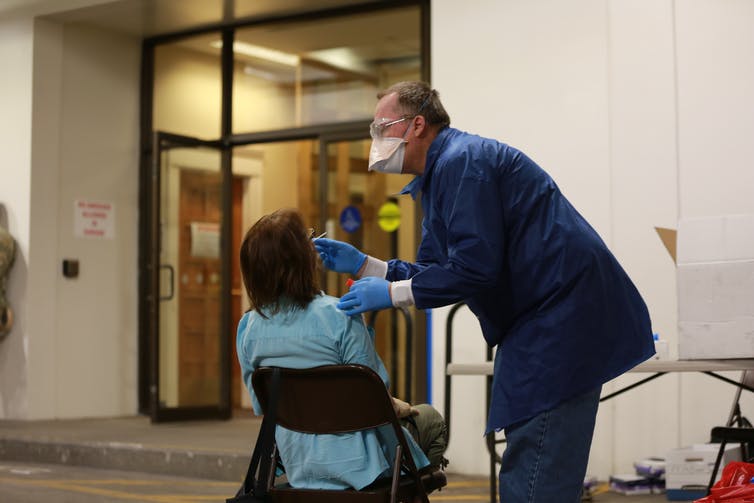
(375, 267)
(401, 294)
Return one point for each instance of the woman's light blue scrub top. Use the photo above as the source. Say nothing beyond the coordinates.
(498, 234)
(319, 335)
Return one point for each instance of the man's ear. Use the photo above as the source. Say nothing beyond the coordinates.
(420, 126)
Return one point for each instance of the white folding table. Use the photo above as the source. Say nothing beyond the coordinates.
(657, 367)
(662, 366)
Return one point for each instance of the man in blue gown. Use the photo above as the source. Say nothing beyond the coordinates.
(498, 234)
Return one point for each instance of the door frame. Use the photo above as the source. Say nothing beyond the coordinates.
(161, 143)
(147, 274)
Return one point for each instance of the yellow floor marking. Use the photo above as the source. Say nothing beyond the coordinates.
(137, 482)
(460, 497)
(600, 489)
(88, 490)
(469, 483)
(74, 487)
(192, 499)
(86, 486)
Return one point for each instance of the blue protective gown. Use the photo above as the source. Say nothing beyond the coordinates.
(320, 334)
(498, 234)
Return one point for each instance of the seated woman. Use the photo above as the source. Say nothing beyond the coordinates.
(292, 324)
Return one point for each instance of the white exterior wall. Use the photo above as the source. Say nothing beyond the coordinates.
(71, 125)
(97, 313)
(643, 190)
(638, 109)
(715, 69)
(41, 284)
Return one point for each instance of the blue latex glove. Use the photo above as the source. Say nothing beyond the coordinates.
(339, 256)
(367, 294)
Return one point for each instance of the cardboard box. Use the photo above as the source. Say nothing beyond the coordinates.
(714, 259)
(690, 468)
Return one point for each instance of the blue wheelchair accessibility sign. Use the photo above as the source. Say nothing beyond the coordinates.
(350, 219)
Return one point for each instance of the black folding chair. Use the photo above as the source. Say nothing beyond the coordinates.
(341, 399)
(743, 433)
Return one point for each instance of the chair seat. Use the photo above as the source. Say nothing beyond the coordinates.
(733, 434)
(377, 492)
(434, 480)
(293, 495)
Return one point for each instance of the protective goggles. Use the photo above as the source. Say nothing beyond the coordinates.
(378, 127)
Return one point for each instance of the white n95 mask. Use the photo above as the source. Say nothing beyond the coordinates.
(386, 155)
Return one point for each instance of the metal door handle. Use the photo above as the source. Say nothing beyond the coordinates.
(172, 282)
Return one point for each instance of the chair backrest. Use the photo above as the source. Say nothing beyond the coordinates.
(328, 399)
(340, 399)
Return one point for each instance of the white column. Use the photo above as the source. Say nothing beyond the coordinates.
(16, 43)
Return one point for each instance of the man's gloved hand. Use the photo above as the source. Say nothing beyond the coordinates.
(367, 294)
(403, 409)
(339, 256)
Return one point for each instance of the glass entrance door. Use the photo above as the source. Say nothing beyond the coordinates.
(189, 333)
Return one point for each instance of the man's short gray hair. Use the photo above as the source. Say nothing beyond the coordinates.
(418, 98)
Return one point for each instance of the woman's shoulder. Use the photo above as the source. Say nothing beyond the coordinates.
(325, 307)
(323, 300)
(325, 303)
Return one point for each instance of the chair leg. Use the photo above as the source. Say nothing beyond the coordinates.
(717, 465)
(273, 467)
(420, 495)
(396, 474)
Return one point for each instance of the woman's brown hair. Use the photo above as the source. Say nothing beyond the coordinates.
(279, 263)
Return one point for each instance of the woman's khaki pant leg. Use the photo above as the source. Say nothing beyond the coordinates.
(430, 432)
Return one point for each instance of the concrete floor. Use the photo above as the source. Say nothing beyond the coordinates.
(131, 459)
(32, 483)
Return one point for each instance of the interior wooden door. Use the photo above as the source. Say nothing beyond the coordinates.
(199, 297)
(199, 292)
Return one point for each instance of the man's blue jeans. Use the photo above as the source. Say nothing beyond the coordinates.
(545, 457)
